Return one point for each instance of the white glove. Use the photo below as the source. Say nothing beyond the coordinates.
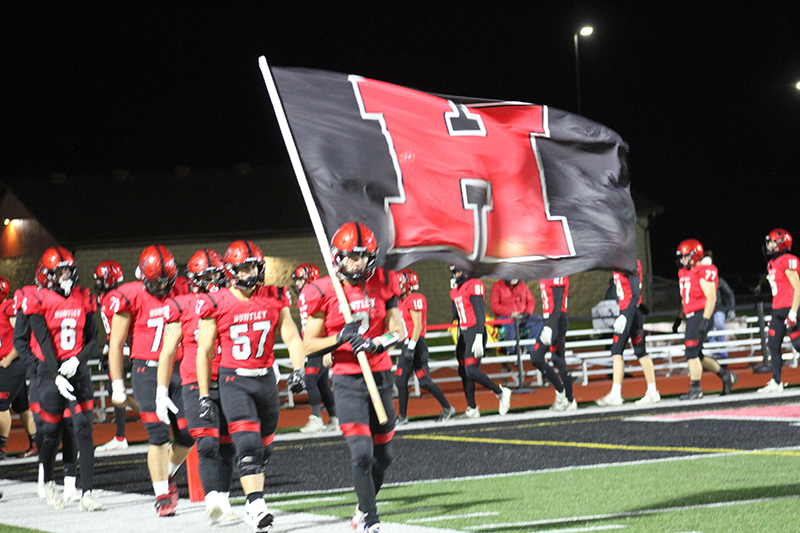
(619, 324)
(65, 388)
(546, 336)
(118, 395)
(791, 318)
(477, 346)
(277, 370)
(69, 367)
(164, 405)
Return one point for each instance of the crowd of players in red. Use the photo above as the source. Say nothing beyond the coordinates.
(199, 352)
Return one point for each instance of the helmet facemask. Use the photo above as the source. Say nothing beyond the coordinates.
(62, 279)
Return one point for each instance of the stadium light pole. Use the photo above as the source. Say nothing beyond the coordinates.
(583, 32)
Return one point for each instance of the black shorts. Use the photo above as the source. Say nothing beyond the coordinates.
(12, 382)
(144, 380)
(692, 341)
(417, 363)
(634, 331)
(354, 407)
(250, 403)
(52, 404)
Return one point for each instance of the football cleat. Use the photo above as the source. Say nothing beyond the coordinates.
(374, 528)
(30, 452)
(472, 412)
(113, 445)
(649, 398)
(447, 413)
(572, 406)
(53, 495)
(71, 496)
(314, 425)
(610, 400)
(695, 393)
(728, 379)
(771, 387)
(173, 491)
(401, 421)
(505, 400)
(357, 519)
(164, 506)
(333, 425)
(89, 504)
(258, 516)
(560, 403)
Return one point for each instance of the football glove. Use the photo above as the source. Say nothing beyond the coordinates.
(477, 346)
(295, 381)
(619, 324)
(208, 411)
(546, 336)
(164, 404)
(118, 394)
(365, 345)
(791, 319)
(65, 388)
(69, 367)
(349, 333)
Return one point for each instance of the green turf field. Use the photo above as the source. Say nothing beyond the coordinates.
(722, 493)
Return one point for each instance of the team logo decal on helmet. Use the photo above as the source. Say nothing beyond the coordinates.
(107, 276)
(5, 288)
(691, 248)
(205, 270)
(782, 240)
(58, 270)
(244, 265)
(354, 241)
(157, 270)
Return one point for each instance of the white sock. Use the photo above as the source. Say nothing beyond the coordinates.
(651, 388)
(212, 499)
(173, 468)
(161, 487)
(224, 501)
(41, 474)
(69, 484)
(616, 389)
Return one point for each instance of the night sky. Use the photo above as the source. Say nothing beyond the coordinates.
(704, 95)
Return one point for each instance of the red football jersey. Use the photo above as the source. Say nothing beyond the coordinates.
(782, 290)
(19, 303)
(692, 295)
(546, 286)
(65, 317)
(416, 302)
(623, 283)
(246, 328)
(148, 318)
(461, 298)
(6, 329)
(368, 306)
(506, 299)
(183, 309)
(106, 314)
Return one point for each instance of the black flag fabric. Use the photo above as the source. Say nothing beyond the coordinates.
(506, 189)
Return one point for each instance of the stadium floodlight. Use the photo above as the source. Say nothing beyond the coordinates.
(585, 32)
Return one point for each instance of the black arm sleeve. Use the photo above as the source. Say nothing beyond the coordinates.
(455, 311)
(89, 339)
(391, 303)
(42, 334)
(558, 298)
(22, 339)
(479, 308)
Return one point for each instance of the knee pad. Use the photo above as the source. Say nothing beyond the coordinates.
(383, 456)
(207, 446)
(157, 433)
(361, 450)
(472, 372)
(227, 451)
(426, 383)
(250, 464)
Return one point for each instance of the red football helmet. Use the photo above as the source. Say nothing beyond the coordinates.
(354, 241)
(205, 270)
(157, 270)
(5, 288)
(411, 280)
(303, 274)
(782, 240)
(693, 249)
(107, 276)
(242, 256)
(58, 266)
(40, 277)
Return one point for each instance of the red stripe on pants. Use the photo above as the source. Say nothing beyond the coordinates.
(244, 425)
(50, 418)
(354, 429)
(196, 433)
(149, 418)
(266, 441)
(383, 438)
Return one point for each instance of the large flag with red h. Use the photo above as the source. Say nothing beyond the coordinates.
(510, 189)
